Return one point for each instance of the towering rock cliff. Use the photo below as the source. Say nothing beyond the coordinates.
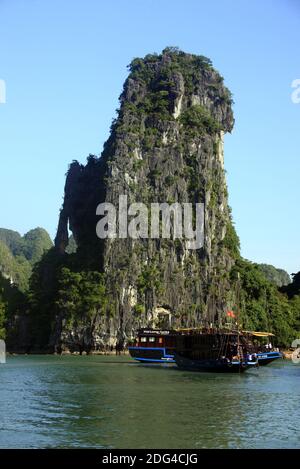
(166, 145)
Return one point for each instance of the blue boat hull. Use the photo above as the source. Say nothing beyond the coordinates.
(160, 355)
(264, 358)
(151, 355)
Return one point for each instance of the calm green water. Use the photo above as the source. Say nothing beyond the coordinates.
(112, 402)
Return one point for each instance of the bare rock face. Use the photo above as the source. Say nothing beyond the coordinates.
(166, 145)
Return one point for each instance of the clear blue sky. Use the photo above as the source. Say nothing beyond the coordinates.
(64, 64)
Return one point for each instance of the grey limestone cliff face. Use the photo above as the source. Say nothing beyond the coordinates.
(166, 145)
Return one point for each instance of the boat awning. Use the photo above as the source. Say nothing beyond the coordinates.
(260, 334)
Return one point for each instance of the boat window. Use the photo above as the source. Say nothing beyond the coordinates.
(160, 340)
(151, 339)
(143, 339)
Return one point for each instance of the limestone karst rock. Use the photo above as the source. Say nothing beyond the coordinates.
(166, 145)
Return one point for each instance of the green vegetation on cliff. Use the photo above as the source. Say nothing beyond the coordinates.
(62, 294)
(197, 120)
(262, 305)
(13, 305)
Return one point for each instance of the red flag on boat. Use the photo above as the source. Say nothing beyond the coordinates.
(230, 314)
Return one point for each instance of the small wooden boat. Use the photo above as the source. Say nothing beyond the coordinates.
(266, 353)
(264, 358)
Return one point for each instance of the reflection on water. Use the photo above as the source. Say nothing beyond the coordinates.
(112, 402)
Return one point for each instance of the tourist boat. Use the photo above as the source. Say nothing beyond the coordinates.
(154, 346)
(214, 350)
(266, 353)
(194, 349)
